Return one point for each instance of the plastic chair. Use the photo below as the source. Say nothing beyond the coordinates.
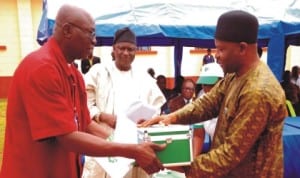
(290, 108)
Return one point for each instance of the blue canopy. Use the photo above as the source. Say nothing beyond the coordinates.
(181, 23)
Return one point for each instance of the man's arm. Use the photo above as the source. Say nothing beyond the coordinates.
(91, 145)
(203, 108)
(99, 130)
(91, 83)
(109, 119)
(243, 132)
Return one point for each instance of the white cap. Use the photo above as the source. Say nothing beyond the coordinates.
(210, 74)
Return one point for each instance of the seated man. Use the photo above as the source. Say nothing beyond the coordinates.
(161, 81)
(86, 64)
(186, 96)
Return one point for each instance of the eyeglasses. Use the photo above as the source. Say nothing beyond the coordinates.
(91, 34)
(188, 89)
(124, 48)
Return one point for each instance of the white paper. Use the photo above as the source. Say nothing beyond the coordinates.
(125, 132)
(139, 110)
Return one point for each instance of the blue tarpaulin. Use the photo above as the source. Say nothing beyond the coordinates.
(182, 23)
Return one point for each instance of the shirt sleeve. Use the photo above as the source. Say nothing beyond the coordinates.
(91, 82)
(156, 97)
(47, 104)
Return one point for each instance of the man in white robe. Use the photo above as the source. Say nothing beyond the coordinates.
(113, 87)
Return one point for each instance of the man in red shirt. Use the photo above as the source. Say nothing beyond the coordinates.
(48, 125)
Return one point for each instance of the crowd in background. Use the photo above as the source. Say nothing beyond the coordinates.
(291, 85)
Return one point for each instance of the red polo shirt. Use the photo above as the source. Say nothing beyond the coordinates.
(43, 93)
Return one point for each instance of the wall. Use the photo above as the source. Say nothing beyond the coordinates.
(293, 54)
(19, 22)
(9, 37)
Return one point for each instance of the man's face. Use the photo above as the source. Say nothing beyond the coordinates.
(161, 82)
(207, 88)
(227, 55)
(124, 54)
(188, 90)
(84, 39)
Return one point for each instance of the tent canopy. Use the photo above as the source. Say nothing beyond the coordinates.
(181, 23)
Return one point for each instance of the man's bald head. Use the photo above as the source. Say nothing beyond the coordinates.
(69, 13)
(75, 32)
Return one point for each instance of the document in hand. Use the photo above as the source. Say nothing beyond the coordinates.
(125, 132)
(140, 110)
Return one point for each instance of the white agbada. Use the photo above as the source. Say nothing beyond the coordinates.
(112, 91)
(109, 89)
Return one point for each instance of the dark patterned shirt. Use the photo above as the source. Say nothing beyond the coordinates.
(248, 138)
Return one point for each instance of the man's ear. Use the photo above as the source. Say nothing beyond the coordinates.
(67, 30)
(243, 47)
